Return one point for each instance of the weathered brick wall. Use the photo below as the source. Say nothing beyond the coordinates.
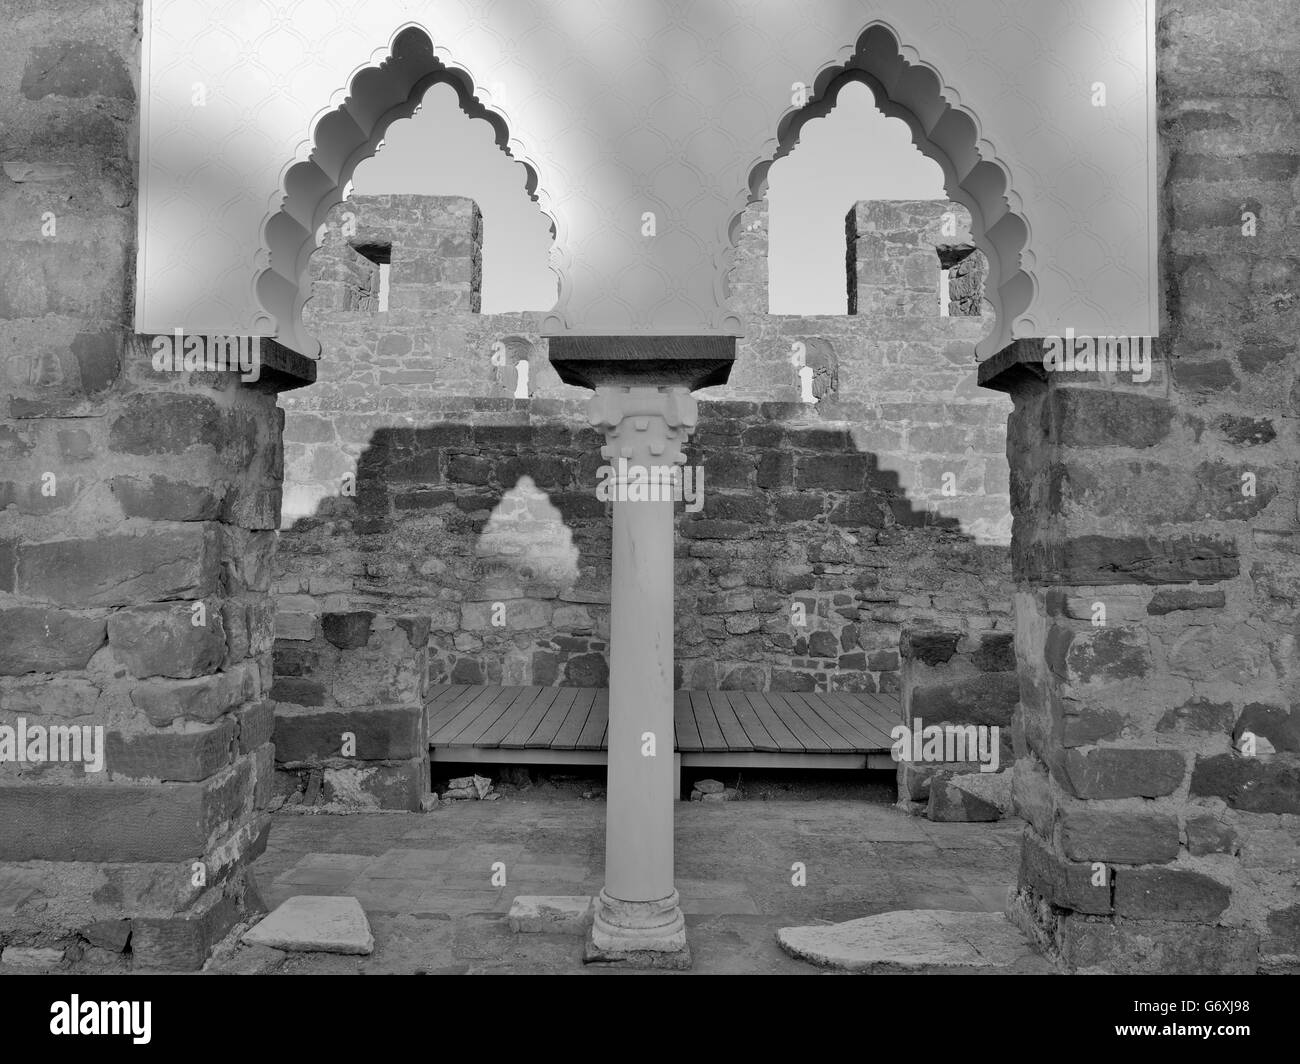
(135, 547)
(1157, 592)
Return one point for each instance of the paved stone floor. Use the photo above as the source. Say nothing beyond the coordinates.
(424, 880)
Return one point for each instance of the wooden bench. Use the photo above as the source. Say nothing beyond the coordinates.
(718, 729)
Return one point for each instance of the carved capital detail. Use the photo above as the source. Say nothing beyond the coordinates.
(646, 426)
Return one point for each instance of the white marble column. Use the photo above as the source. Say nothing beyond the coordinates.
(637, 913)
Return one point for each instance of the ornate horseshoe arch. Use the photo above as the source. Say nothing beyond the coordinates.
(378, 95)
(945, 130)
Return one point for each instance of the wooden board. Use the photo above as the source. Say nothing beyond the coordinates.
(710, 734)
(763, 709)
(688, 735)
(868, 716)
(733, 732)
(544, 735)
(592, 736)
(523, 729)
(846, 720)
(759, 737)
(566, 738)
(739, 723)
(808, 710)
(791, 717)
(504, 724)
(457, 721)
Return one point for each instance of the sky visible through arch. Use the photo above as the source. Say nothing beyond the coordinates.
(854, 153)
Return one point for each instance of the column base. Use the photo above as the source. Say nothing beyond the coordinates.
(638, 934)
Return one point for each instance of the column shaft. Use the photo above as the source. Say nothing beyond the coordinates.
(639, 834)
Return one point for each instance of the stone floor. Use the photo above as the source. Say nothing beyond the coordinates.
(424, 880)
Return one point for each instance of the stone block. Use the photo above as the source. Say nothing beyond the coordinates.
(1106, 560)
(996, 652)
(381, 733)
(842, 472)
(1066, 884)
(347, 631)
(416, 629)
(1117, 836)
(1198, 715)
(166, 423)
(1278, 725)
(36, 958)
(161, 499)
(295, 626)
(1207, 834)
(161, 639)
(171, 756)
(1250, 784)
(1120, 772)
(1156, 947)
(111, 935)
(929, 647)
(256, 724)
(298, 691)
(203, 698)
(788, 680)
(395, 786)
(1168, 600)
(1080, 417)
(162, 563)
(75, 69)
(110, 822)
(553, 915)
(972, 797)
(45, 640)
(183, 942)
(1177, 894)
(988, 698)
(1031, 795)
(1101, 654)
(587, 670)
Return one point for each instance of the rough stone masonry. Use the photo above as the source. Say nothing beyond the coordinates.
(1158, 752)
(135, 543)
(440, 530)
(1155, 556)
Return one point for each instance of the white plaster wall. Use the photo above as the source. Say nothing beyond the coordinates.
(650, 105)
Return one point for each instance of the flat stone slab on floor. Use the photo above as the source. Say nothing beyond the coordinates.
(908, 939)
(310, 924)
(562, 914)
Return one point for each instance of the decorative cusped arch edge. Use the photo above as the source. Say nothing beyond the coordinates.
(945, 130)
(378, 94)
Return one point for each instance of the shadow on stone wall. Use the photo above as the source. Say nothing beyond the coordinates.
(798, 573)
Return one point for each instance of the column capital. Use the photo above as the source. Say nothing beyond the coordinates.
(644, 425)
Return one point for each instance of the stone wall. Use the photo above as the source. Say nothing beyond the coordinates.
(957, 678)
(140, 510)
(495, 503)
(1158, 765)
(1155, 555)
(423, 496)
(896, 250)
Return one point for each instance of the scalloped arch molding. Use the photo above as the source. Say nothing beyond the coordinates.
(255, 113)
